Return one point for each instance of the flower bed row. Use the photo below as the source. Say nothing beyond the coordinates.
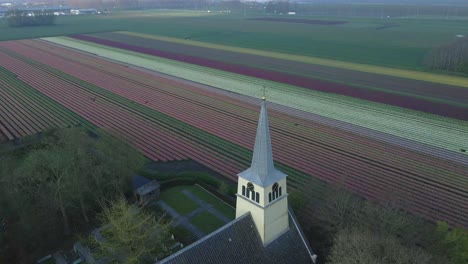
(412, 88)
(26, 112)
(424, 128)
(310, 83)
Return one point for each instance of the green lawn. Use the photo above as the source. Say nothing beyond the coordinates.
(178, 201)
(183, 205)
(219, 205)
(206, 222)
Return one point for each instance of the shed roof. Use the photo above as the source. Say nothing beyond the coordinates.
(142, 185)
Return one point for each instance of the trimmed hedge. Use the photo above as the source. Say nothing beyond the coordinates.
(190, 178)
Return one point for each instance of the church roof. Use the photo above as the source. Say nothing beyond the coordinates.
(262, 171)
(240, 242)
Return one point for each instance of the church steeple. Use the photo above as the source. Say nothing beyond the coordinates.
(262, 170)
(262, 188)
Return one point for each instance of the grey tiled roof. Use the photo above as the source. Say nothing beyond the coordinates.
(239, 242)
(262, 171)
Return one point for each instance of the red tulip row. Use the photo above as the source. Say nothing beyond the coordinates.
(429, 186)
(25, 112)
(154, 139)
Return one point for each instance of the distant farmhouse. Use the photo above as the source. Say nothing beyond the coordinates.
(265, 230)
(86, 11)
(56, 10)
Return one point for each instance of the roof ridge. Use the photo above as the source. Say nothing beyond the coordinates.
(203, 239)
(313, 257)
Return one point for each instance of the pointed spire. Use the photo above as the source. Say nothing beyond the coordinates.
(262, 170)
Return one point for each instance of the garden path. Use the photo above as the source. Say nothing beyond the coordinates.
(183, 220)
(208, 207)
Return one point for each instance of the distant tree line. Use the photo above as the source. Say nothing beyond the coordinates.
(21, 18)
(450, 57)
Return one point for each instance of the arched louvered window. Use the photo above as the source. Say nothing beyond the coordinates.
(250, 191)
(275, 192)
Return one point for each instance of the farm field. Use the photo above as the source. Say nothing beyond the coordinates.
(435, 98)
(26, 112)
(432, 130)
(168, 118)
(361, 40)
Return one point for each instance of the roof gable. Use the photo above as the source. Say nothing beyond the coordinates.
(239, 242)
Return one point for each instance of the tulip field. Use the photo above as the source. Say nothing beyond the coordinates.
(170, 117)
(26, 112)
(428, 129)
(436, 98)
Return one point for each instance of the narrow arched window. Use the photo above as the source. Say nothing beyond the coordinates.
(250, 190)
(250, 187)
(243, 190)
(275, 187)
(274, 190)
(257, 197)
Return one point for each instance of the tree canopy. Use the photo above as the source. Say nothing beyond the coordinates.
(60, 181)
(132, 235)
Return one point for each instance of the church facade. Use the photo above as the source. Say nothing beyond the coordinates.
(265, 230)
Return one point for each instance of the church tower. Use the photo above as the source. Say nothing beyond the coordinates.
(261, 189)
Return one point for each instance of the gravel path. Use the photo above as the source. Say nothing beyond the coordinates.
(206, 206)
(184, 220)
(181, 220)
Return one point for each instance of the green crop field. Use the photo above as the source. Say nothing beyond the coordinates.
(401, 43)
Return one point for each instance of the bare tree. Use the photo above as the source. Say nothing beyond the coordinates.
(132, 235)
(361, 246)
